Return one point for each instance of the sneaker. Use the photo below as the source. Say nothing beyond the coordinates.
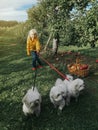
(40, 66)
(33, 68)
(96, 61)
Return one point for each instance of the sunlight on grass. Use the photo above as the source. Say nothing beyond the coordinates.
(17, 61)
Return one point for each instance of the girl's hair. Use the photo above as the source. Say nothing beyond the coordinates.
(32, 31)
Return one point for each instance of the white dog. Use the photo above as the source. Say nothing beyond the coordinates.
(74, 88)
(58, 94)
(32, 102)
(68, 80)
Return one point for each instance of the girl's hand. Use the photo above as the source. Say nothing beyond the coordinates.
(37, 53)
(28, 54)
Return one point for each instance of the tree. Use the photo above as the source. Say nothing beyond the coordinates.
(69, 18)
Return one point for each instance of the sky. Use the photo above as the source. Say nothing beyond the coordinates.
(15, 9)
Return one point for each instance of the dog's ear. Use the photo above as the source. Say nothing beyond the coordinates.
(40, 98)
(76, 87)
(58, 81)
(80, 85)
(81, 88)
(52, 97)
(24, 100)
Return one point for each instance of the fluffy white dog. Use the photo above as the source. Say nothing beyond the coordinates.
(74, 88)
(58, 94)
(68, 80)
(32, 102)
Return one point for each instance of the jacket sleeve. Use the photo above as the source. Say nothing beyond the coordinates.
(38, 46)
(28, 46)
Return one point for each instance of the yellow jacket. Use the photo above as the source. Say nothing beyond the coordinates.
(33, 45)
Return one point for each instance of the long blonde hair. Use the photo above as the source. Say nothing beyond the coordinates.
(32, 31)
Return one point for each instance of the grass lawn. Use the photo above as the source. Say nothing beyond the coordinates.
(16, 77)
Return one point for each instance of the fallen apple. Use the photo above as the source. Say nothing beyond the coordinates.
(96, 61)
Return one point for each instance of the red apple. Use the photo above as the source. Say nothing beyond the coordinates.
(96, 61)
(84, 66)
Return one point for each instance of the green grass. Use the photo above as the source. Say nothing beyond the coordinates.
(16, 78)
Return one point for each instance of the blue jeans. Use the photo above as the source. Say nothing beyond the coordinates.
(35, 58)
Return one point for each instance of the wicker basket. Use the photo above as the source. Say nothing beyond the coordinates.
(75, 69)
(83, 73)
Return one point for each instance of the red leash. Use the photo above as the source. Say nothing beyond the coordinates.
(54, 68)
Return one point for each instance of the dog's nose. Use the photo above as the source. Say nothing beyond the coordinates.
(64, 97)
(36, 103)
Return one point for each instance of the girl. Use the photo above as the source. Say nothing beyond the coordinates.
(33, 48)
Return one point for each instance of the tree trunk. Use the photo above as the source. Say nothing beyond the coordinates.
(55, 46)
(48, 41)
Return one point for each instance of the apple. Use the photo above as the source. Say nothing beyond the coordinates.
(84, 66)
(96, 61)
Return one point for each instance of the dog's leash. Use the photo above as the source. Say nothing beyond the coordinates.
(65, 77)
(35, 78)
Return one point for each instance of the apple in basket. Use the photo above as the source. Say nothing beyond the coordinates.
(78, 66)
(73, 68)
(83, 66)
